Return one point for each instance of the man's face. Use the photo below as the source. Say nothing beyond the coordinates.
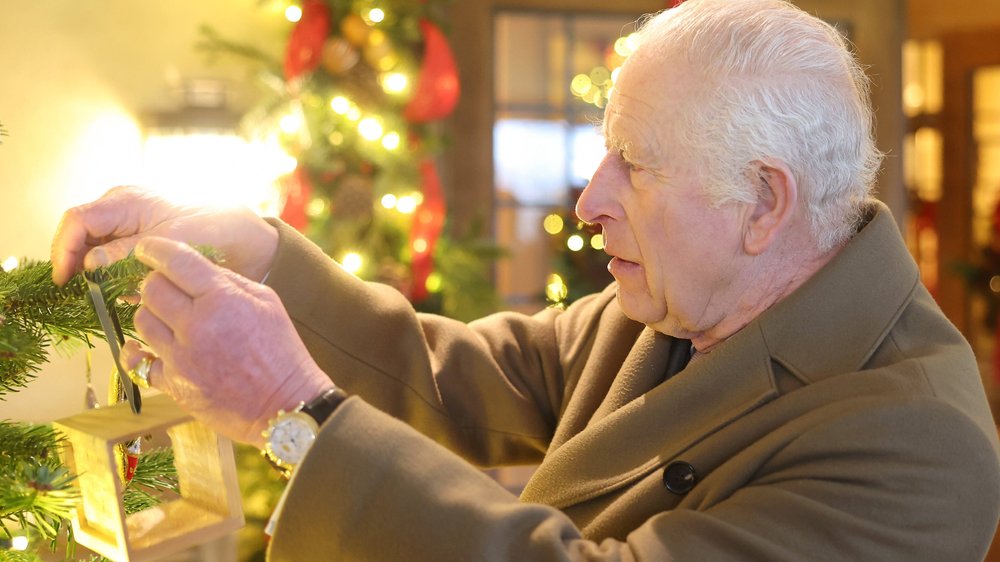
(673, 255)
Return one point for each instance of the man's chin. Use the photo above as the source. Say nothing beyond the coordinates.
(638, 306)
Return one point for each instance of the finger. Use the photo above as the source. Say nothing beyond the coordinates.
(181, 264)
(114, 215)
(140, 364)
(164, 299)
(132, 353)
(110, 252)
(158, 336)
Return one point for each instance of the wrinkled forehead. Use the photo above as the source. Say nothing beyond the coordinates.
(644, 111)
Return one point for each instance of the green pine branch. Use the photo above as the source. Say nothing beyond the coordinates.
(154, 476)
(36, 314)
(37, 495)
(36, 491)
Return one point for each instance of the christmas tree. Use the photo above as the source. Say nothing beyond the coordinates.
(358, 101)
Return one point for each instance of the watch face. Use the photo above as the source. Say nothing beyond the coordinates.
(291, 437)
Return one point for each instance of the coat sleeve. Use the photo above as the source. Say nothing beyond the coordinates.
(373, 489)
(490, 391)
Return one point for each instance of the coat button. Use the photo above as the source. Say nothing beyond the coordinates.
(679, 477)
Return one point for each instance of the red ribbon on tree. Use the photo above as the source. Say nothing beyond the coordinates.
(297, 191)
(305, 46)
(428, 222)
(437, 90)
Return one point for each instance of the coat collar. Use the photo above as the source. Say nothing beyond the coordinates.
(848, 311)
(642, 435)
(848, 307)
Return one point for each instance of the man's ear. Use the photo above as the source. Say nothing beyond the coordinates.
(777, 199)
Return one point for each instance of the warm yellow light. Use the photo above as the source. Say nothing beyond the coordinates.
(406, 204)
(555, 288)
(340, 105)
(553, 224)
(376, 38)
(434, 282)
(391, 140)
(575, 243)
(614, 74)
(370, 128)
(376, 15)
(293, 13)
(632, 41)
(336, 138)
(354, 113)
(581, 84)
(10, 263)
(316, 207)
(395, 82)
(622, 47)
(600, 75)
(352, 262)
(216, 169)
(19, 542)
(597, 241)
(291, 123)
(388, 201)
(420, 245)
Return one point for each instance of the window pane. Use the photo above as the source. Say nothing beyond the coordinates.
(530, 161)
(531, 63)
(587, 152)
(521, 277)
(546, 142)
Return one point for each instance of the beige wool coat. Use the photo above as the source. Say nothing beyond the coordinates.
(847, 422)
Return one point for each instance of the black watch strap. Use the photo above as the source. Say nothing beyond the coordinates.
(321, 407)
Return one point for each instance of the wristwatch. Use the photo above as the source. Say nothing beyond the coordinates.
(289, 435)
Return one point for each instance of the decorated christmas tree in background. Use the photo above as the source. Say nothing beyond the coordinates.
(358, 102)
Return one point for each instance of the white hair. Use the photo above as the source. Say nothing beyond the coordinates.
(772, 82)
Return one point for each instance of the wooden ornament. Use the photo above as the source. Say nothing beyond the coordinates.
(209, 503)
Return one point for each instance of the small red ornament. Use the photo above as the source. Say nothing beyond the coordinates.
(437, 90)
(305, 46)
(297, 191)
(132, 453)
(428, 222)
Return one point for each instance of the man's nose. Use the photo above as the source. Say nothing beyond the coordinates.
(595, 199)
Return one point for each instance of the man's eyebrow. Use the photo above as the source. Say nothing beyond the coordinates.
(611, 141)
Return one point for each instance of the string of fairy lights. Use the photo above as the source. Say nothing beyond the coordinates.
(379, 136)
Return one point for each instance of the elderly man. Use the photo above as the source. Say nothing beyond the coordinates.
(766, 380)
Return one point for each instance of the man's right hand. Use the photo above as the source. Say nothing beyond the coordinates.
(106, 230)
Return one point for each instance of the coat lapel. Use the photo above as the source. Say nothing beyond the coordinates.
(627, 440)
